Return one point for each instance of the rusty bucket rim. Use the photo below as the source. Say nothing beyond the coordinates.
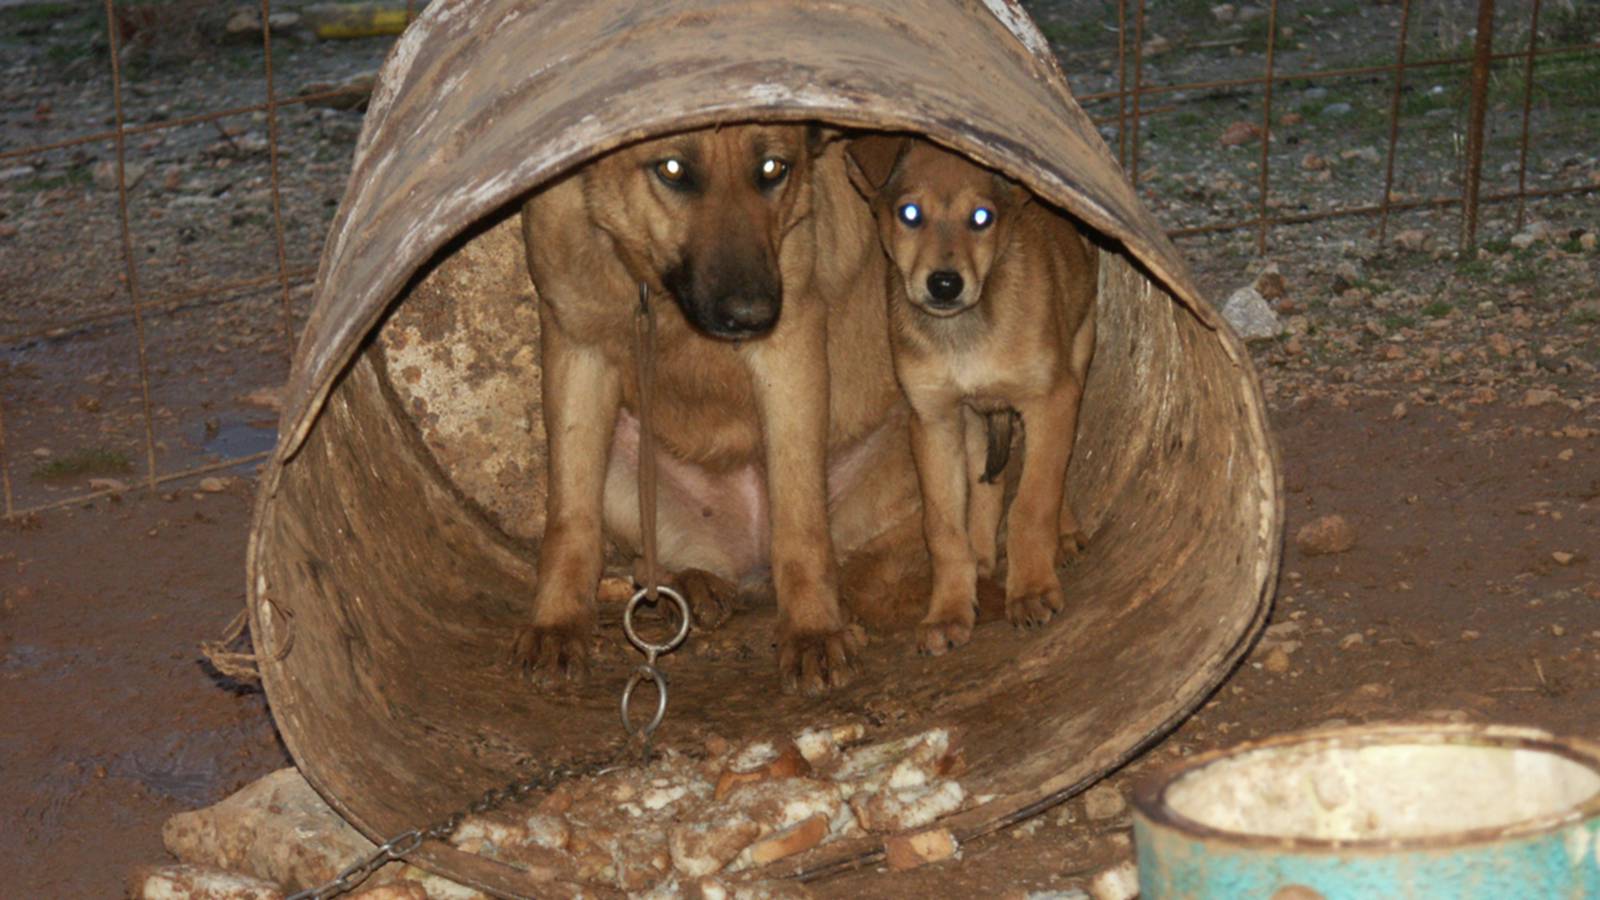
(1152, 810)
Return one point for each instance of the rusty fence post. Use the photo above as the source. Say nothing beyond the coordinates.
(1138, 90)
(1266, 131)
(1527, 108)
(1482, 49)
(1394, 119)
(1122, 82)
(130, 266)
(273, 169)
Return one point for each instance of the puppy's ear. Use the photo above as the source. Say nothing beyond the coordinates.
(871, 161)
(1015, 194)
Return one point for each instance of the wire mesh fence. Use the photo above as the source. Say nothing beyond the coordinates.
(161, 209)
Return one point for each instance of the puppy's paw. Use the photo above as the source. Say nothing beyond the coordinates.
(1071, 545)
(711, 598)
(937, 636)
(553, 656)
(1030, 608)
(813, 662)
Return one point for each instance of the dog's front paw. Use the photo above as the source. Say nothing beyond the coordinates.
(937, 636)
(553, 656)
(1071, 544)
(1030, 607)
(711, 598)
(813, 662)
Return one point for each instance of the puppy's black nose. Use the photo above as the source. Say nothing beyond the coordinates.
(944, 286)
(749, 315)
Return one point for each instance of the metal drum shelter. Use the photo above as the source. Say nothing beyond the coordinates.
(388, 558)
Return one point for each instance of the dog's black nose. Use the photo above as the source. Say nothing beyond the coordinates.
(748, 315)
(944, 286)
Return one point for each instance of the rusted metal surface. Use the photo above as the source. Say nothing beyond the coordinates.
(1265, 162)
(1477, 110)
(391, 546)
(1394, 116)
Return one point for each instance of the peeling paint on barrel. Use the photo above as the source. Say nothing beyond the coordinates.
(1542, 856)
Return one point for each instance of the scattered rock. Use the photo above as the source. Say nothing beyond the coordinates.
(183, 882)
(213, 485)
(705, 848)
(1414, 239)
(1312, 162)
(908, 851)
(104, 174)
(1270, 284)
(795, 839)
(1240, 133)
(1540, 397)
(1277, 661)
(1352, 640)
(351, 93)
(1251, 316)
(276, 828)
(1326, 535)
(1336, 110)
(244, 22)
(1367, 154)
(1118, 882)
(114, 485)
(1103, 802)
(1588, 241)
(265, 397)
(1563, 558)
(1224, 13)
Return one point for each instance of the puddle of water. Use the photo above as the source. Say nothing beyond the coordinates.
(229, 437)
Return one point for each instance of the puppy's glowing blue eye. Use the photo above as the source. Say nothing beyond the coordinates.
(982, 218)
(911, 214)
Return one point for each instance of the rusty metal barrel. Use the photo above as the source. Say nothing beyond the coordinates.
(392, 551)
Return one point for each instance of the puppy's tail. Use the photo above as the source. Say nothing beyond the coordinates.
(1000, 426)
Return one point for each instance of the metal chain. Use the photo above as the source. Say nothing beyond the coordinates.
(406, 842)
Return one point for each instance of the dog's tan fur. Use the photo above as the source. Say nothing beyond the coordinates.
(757, 400)
(1020, 335)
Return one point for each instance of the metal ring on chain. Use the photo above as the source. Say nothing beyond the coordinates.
(644, 645)
(637, 678)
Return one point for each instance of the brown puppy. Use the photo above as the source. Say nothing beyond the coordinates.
(991, 302)
(755, 233)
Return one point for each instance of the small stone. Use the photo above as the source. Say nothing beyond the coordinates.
(1103, 802)
(1540, 397)
(213, 485)
(1399, 411)
(1118, 882)
(1270, 284)
(1277, 661)
(104, 174)
(1563, 558)
(1240, 133)
(245, 20)
(1365, 154)
(1500, 344)
(1224, 13)
(1558, 630)
(702, 849)
(1326, 535)
(1251, 316)
(114, 485)
(1290, 119)
(1470, 635)
(1337, 110)
(266, 398)
(1588, 241)
(1414, 239)
(183, 882)
(795, 839)
(1312, 162)
(1352, 640)
(908, 851)
(1565, 455)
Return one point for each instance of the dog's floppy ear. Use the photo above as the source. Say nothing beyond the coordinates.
(871, 161)
(1015, 194)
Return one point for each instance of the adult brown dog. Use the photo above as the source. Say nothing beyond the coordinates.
(777, 282)
(991, 302)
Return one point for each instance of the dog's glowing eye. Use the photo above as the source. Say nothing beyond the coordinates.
(911, 214)
(670, 170)
(982, 218)
(773, 170)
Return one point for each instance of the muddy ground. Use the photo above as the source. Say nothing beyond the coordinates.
(1446, 404)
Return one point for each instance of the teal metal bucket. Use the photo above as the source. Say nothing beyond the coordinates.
(1377, 813)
